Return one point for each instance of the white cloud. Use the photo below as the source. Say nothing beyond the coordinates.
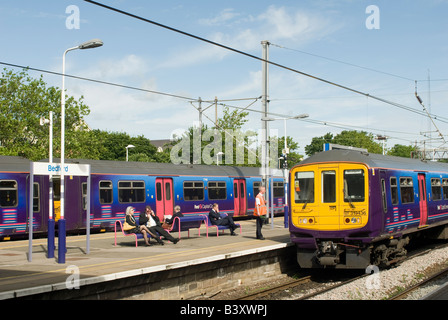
(274, 24)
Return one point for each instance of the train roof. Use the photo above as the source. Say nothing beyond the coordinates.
(14, 164)
(153, 168)
(376, 161)
(19, 164)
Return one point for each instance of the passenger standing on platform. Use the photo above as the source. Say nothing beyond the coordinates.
(260, 212)
(152, 221)
(216, 220)
(137, 229)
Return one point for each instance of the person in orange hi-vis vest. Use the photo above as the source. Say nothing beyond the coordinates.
(260, 211)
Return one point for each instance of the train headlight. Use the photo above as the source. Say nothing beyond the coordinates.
(307, 220)
(353, 220)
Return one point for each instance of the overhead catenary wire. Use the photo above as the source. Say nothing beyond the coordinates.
(398, 105)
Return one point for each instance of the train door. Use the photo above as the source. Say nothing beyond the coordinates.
(354, 199)
(328, 206)
(239, 191)
(423, 199)
(164, 197)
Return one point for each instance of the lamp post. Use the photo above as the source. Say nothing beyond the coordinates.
(127, 152)
(95, 43)
(285, 172)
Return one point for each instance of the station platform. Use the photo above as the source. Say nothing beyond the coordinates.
(107, 263)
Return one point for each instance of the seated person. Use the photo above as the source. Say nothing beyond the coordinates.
(167, 223)
(130, 220)
(152, 222)
(216, 220)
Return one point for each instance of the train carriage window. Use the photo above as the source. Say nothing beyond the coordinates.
(279, 189)
(304, 187)
(328, 186)
(394, 190)
(436, 189)
(354, 186)
(131, 191)
(36, 198)
(445, 189)
(84, 195)
(8, 193)
(193, 190)
(407, 190)
(257, 185)
(217, 190)
(106, 192)
(383, 195)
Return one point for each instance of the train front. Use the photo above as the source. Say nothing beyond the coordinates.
(330, 214)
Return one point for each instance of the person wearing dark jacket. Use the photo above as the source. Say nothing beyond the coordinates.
(152, 222)
(216, 220)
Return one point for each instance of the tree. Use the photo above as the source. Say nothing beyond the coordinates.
(400, 150)
(317, 144)
(23, 101)
(357, 139)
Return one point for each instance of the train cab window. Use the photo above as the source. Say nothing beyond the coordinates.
(217, 190)
(279, 189)
(328, 186)
(394, 190)
(131, 191)
(445, 189)
(8, 193)
(436, 189)
(304, 187)
(407, 190)
(106, 192)
(193, 190)
(354, 187)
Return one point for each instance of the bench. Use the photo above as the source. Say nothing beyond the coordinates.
(136, 235)
(186, 223)
(210, 225)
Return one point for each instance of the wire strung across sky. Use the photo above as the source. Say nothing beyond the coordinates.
(398, 105)
(219, 102)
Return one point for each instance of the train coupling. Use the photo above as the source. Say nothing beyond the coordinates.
(329, 253)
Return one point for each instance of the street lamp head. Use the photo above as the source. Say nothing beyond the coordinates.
(94, 43)
(301, 116)
(130, 146)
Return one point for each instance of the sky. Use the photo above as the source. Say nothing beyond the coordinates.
(381, 53)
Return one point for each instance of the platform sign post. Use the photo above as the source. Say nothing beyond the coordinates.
(50, 169)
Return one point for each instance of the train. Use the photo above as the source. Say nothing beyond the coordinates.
(116, 185)
(354, 209)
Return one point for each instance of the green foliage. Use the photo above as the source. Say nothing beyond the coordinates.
(23, 101)
(357, 139)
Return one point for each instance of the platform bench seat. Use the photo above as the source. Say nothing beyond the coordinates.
(136, 235)
(186, 223)
(218, 228)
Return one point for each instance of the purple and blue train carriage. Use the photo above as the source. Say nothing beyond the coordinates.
(116, 185)
(352, 209)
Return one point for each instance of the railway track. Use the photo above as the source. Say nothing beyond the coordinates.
(309, 284)
(276, 289)
(433, 278)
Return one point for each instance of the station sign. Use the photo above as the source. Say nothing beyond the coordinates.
(69, 169)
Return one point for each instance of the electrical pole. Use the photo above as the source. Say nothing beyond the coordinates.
(265, 126)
